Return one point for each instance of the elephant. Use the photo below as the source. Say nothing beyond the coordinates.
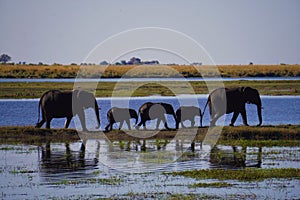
(120, 115)
(225, 100)
(150, 111)
(59, 104)
(188, 113)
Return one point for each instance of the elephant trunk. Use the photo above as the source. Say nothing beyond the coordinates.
(97, 114)
(259, 108)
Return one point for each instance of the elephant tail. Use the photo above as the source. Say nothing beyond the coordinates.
(208, 101)
(39, 110)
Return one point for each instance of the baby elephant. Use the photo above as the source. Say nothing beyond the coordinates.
(187, 113)
(115, 115)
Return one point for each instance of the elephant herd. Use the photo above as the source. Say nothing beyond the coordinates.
(58, 104)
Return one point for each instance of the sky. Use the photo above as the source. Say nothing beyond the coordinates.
(231, 32)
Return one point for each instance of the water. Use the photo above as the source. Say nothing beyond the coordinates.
(69, 171)
(105, 169)
(277, 110)
(149, 79)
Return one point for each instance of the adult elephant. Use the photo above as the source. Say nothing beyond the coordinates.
(151, 111)
(58, 104)
(115, 115)
(188, 113)
(225, 100)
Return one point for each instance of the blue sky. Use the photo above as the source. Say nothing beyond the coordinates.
(232, 32)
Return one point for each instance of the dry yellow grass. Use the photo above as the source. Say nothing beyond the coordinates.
(116, 71)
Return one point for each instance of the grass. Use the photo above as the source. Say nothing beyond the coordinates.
(31, 135)
(115, 71)
(247, 174)
(105, 89)
(213, 184)
(101, 181)
(269, 135)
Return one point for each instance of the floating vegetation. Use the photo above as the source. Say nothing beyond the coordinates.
(102, 181)
(213, 184)
(247, 174)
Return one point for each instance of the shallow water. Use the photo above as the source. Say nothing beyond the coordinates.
(277, 110)
(59, 170)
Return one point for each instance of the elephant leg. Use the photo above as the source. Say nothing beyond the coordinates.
(144, 125)
(244, 117)
(214, 119)
(193, 123)
(128, 124)
(67, 122)
(48, 121)
(121, 125)
(40, 124)
(142, 122)
(82, 120)
(158, 123)
(182, 125)
(111, 125)
(234, 117)
(165, 122)
(107, 126)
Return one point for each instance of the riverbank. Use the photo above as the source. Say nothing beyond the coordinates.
(18, 90)
(130, 71)
(28, 134)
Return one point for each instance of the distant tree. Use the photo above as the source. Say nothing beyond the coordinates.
(4, 58)
(123, 62)
(104, 62)
(134, 61)
(250, 63)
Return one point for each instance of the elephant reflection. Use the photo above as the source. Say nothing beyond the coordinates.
(57, 104)
(232, 157)
(224, 100)
(187, 113)
(151, 111)
(55, 161)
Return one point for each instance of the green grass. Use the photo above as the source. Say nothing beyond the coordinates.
(213, 184)
(280, 135)
(101, 181)
(247, 174)
(105, 89)
(31, 135)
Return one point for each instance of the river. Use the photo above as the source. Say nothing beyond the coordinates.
(276, 110)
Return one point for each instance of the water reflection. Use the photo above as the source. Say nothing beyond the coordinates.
(59, 160)
(79, 158)
(232, 157)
